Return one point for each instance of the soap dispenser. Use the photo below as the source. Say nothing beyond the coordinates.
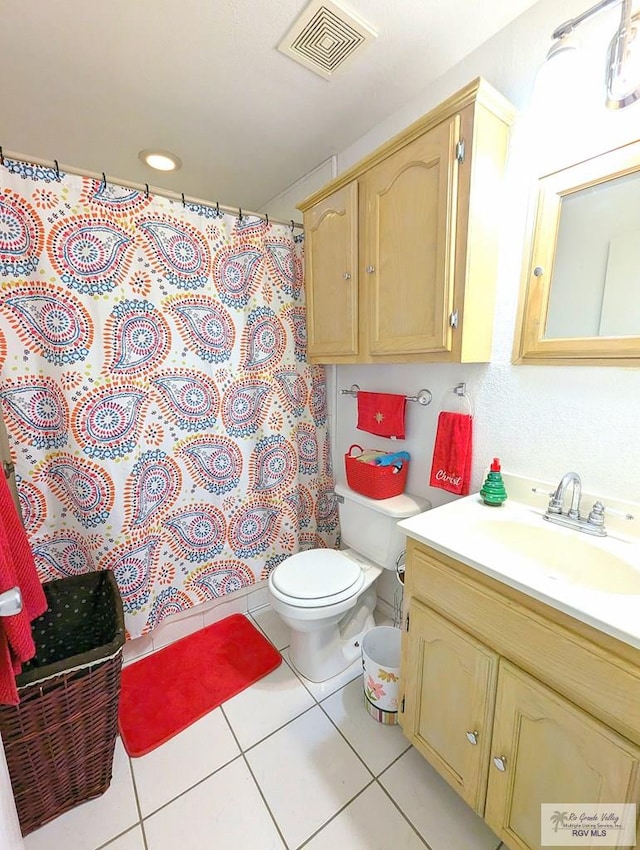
(493, 492)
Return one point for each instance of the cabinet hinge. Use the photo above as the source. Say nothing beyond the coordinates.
(406, 623)
(402, 706)
(460, 151)
(453, 319)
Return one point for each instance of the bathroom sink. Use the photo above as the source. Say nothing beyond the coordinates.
(593, 579)
(563, 555)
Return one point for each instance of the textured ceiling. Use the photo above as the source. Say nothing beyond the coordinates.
(90, 84)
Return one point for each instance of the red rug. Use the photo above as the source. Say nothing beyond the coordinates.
(165, 692)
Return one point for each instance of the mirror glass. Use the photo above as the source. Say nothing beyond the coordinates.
(580, 297)
(595, 285)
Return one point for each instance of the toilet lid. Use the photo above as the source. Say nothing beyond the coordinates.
(316, 574)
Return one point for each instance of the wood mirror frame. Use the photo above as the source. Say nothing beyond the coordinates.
(531, 346)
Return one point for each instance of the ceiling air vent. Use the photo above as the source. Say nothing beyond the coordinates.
(325, 37)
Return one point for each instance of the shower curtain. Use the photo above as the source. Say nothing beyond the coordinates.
(162, 417)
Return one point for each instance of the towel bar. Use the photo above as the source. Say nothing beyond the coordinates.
(423, 397)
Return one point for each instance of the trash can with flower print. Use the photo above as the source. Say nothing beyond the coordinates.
(381, 668)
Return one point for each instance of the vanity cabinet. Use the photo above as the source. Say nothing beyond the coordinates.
(513, 703)
(401, 251)
(450, 724)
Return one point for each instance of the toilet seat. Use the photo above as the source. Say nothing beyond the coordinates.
(315, 578)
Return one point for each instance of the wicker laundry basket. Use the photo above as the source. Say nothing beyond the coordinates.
(59, 741)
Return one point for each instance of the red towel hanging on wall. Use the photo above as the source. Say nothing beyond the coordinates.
(451, 467)
(382, 414)
(17, 568)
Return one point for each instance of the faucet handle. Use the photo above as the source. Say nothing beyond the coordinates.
(600, 508)
(541, 492)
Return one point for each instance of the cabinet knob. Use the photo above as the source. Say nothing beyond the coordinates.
(370, 269)
(472, 737)
(500, 763)
(347, 276)
(538, 271)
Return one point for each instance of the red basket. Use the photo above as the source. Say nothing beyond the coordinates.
(376, 482)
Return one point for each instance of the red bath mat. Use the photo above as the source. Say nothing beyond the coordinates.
(165, 692)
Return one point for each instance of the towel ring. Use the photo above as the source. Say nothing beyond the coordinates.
(460, 390)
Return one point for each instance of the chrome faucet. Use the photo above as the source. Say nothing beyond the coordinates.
(593, 524)
(557, 500)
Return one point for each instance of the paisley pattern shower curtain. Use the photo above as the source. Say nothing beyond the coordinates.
(162, 417)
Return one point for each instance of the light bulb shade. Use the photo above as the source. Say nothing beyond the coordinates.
(623, 66)
(562, 46)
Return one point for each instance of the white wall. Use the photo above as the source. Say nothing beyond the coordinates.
(540, 420)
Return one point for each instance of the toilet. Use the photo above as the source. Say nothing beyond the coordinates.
(327, 597)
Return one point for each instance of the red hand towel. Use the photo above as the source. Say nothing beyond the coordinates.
(451, 467)
(17, 568)
(382, 414)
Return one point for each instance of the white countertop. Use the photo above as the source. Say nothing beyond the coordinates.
(515, 545)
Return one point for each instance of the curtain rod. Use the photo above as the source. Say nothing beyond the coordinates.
(142, 187)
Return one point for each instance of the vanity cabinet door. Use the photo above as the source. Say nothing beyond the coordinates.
(546, 750)
(332, 274)
(449, 682)
(408, 256)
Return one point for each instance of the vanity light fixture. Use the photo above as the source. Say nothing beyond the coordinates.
(160, 160)
(622, 75)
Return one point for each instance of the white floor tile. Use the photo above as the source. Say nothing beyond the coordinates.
(439, 815)
(131, 840)
(267, 705)
(96, 822)
(376, 744)
(320, 690)
(371, 822)
(183, 761)
(307, 773)
(273, 626)
(224, 811)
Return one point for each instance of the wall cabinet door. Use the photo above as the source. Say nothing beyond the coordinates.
(408, 256)
(546, 750)
(449, 682)
(332, 274)
(429, 214)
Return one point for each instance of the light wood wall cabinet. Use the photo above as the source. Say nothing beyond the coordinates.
(513, 703)
(401, 250)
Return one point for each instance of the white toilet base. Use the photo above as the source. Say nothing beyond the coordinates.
(323, 653)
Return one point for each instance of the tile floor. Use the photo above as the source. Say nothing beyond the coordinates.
(285, 764)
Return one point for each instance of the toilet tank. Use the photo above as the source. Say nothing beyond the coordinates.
(369, 526)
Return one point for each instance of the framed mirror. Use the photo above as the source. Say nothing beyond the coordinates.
(580, 299)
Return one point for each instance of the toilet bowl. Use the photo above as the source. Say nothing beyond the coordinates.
(327, 597)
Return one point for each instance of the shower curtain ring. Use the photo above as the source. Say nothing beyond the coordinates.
(104, 180)
(57, 169)
(266, 218)
(292, 225)
(183, 203)
(240, 214)
(1, 156)
(146, 190)
(217, 209)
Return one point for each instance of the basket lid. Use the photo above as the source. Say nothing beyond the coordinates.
(316, 574)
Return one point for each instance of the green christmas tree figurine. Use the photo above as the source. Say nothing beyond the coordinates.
(493, 492)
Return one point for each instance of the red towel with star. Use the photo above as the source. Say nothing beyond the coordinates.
(382, 414)
(17, 569)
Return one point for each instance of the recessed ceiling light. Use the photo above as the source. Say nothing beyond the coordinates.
(160, 160)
